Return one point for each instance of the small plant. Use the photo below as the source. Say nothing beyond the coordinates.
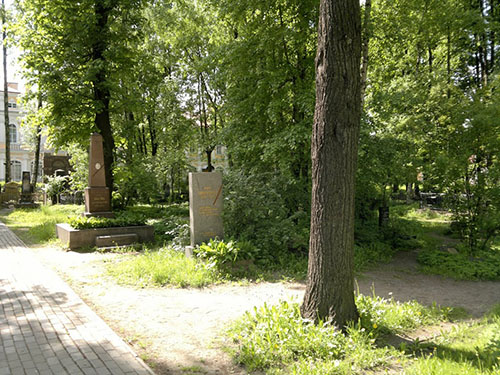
(223, 256)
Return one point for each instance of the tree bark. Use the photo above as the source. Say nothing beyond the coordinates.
(365, 49)
(101, 88)
(37, 147)
(330, 286)
(6, 97)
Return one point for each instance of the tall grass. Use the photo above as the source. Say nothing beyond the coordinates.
(276, 340)
(163, 267)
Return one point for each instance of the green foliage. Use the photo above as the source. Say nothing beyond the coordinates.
(160, 268)
(122, 219)
(38, 226)
(221, 254)
(171, 223)
(79, 161)
(389, 316)
(56, 185)
(257, 209)
(276, 339)
(467, 349)
(485, 265)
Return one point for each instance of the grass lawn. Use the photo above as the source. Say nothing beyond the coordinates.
(276, 340)
(37, 226)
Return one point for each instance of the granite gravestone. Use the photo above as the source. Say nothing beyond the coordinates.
(205, 206)
(97, 196)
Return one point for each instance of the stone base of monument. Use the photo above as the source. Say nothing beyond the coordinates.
(97, 203)
(26, 201)
(26, 205)
(103, 237)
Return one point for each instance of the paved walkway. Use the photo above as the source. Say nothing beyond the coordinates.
(45, 328)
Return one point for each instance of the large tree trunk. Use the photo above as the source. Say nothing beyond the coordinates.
(101, 88)
(6, 98)
(330, 286)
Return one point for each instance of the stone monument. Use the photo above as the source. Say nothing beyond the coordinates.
(26, 196)
(205, 206)
(26, 200)
(11, 192)
(97, 195)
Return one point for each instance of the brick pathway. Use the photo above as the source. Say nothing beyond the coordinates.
(45, 328)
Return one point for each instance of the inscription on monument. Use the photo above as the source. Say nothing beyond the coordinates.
(205, 206)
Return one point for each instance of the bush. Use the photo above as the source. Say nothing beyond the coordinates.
(121, 220)
(263, 209)
(220, 254)
(55, 186)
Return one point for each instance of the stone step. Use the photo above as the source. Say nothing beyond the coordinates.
(116, 240)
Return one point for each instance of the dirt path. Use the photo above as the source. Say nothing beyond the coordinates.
(180, 329)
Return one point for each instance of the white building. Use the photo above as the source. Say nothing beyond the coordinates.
(21, 158)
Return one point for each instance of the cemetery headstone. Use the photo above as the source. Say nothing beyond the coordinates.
(26, 196)
(97, 196)
(11, 192)
(205, 206)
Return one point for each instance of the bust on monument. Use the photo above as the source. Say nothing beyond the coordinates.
(97, 195)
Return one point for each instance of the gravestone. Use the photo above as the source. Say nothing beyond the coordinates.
(205, 206)
(11, 192)
(26, 196)
(97, 196)
(26, 200)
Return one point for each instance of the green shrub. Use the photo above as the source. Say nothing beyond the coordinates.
(121, 220)
(268, 210)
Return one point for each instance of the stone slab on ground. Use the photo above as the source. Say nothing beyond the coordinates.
(78, 238)
(45, 328)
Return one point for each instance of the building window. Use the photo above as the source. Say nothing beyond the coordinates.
(12, 105)
(15, 170)
(13, 133)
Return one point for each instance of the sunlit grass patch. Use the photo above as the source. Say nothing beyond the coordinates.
(467, 349)
(38, 225)
(160, 268)
(277, 340)
(387, 316)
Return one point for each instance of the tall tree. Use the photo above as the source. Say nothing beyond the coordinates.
(76, 53)
(330, 286)
(5, 94)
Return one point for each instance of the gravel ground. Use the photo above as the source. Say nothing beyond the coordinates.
(180, 331)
